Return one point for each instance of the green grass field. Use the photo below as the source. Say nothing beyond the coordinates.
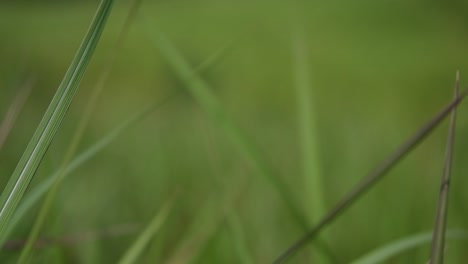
(376, 71)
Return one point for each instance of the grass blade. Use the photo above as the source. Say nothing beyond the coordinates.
(370, 179)
(52, 119)
(237, 231)
(398, 247)
(202, 93)
(438, 240)
(312, 175)
(310, 161)
(132, 254)
(78, 134)
(14, 110)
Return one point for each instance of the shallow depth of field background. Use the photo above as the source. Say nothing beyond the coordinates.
(379, 70)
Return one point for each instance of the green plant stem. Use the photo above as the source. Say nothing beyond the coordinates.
(438, 240)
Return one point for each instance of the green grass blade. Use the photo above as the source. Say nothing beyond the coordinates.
(398, 247)
(312, 173)
(238, 237)
(134, 252)
(308, 131)
(202, 93)
(78, 134)
(438, 240)
(370, 179)
(52, 119)
(35, 195)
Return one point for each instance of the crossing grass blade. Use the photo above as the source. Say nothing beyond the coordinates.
(134, 252)
(202, 93)
(35, 194)
(52, 118)
(398, 247)
(369, 180)
(438, 240)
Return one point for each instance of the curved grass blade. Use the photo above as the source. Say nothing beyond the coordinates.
(371, 178)
(202, 93)
(438, 240)
(400, 246)
(134, 252)
(78, 134)
(14, 110)
(52, 119)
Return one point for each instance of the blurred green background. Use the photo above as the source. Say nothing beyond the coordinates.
(379, 70)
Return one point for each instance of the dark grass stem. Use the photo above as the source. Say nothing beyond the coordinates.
(369, 180)
(438, 239)
(78, 134)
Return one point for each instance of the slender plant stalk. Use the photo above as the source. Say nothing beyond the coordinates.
(438, 239)
(381, 254)
(14, 110)
(52, 119)
(78, 135)
(134, 252)
(369, 180)
(312, 173)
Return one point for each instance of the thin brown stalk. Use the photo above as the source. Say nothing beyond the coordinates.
(438, 237)
(14, 109)
(371, 178)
